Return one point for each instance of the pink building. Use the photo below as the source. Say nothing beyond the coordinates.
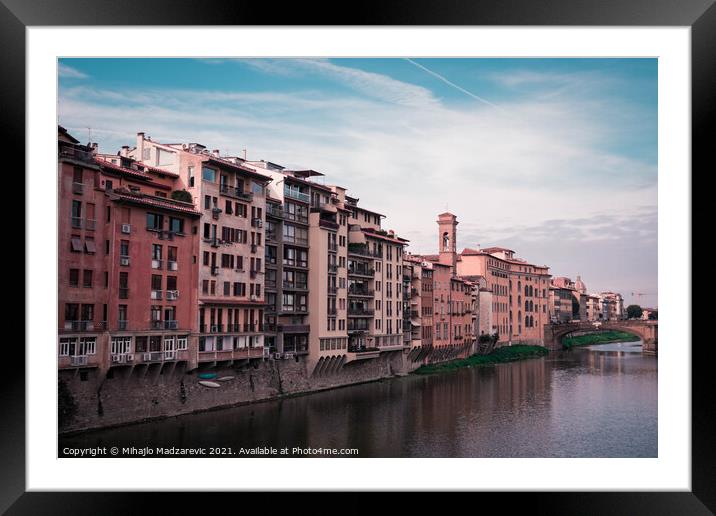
(127, 276)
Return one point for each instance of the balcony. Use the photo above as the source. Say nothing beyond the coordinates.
(332, 268)
(231, 354)
(122, 325)
(295, 217)
(78, 360)
(332, 312)
(215, 212)
(359, 291)
(232, 191)
(291, 239)
(79, 325)
(170, 324)
(76, 222)
(302, 264)
(121, 358)
(124, 260)
(332, 289)
(360, 311)
(362, 250)
(327, 224)
(274, 211)
(271, 236)
(294, 328)
(156, 294)
(172, 265)
(298, 309)
(295, 194)
(287, 285)
(157, 264)
(361, 271)
(214, 270)
(270, 284)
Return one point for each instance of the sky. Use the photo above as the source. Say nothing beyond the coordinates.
(554, 158)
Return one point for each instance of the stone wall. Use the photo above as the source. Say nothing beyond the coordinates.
(138, 393)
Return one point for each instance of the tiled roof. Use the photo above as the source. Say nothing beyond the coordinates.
(157, 202)
(373, 233)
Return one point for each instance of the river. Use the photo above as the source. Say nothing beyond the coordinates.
(593, 401)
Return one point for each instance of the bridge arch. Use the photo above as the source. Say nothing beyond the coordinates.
(647, 331)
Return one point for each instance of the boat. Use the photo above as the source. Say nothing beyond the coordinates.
(225, 378)
(207, 376)
(206, 383)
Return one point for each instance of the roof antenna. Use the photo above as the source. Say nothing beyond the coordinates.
(89, 134)
(244, 154)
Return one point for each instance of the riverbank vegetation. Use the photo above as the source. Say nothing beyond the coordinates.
(599, 338)
(499, 355)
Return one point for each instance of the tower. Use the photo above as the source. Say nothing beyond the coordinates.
(447, 237)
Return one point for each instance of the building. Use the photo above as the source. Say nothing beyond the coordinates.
(127, 275)
(613, 306)
(231, 244)
(353, 306)
(578, 298)
(519, 289)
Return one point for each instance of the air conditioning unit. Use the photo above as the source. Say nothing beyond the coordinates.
(146, 357)
(254, 297)
(124, 260)
(277, 356)
(126, 228)
(129, 358)
(115, 359)
(286, 356)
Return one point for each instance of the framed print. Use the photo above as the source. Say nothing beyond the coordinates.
(423, 253)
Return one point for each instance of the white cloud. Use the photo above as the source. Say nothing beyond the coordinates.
(406, 155)
(68, 72)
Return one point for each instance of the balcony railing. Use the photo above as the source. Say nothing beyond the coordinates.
(172, 265)
(76, 222)
(332, 268)
(170, 325)
(235, 192)
(292, 239)
(332, 289)
(295, 194)
(156, 294)
(357, 310)
(295, 286)
(328, 224)
(295, 217)
(79, 325)
(121, 325)
(90, 224)
(274, 211)
(156, 264)
(123, 293)
(358, 291)
(361, 271)
(172, 295)
(78, 360)
(362, 250)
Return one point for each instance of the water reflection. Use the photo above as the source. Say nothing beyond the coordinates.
(599, 401)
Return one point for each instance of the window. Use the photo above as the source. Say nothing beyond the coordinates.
(208, 174)
(90, 247)
(176, 225)
(74, 277)
(87, 279)
(155, 221)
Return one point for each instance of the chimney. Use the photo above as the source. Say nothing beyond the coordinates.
(94, 147)
(125, 151)
(140, 147)
(216, 153)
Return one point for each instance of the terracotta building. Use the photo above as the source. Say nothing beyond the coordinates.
(230, 253)
(127, 276)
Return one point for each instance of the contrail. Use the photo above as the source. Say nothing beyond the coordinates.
(459, 88)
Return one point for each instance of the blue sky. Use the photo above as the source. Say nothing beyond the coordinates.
(555, 158)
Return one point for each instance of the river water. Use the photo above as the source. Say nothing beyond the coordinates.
(595, 401)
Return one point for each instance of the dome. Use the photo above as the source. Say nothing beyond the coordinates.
(580, 286)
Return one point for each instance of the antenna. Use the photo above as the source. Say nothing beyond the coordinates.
(89, 134)
(244, 154)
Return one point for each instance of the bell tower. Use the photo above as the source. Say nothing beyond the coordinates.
(447, 240)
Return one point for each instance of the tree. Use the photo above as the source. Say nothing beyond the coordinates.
(654, 316)
(182, 195)
(634, 312)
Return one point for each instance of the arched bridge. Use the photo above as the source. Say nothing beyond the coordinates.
(647, 331)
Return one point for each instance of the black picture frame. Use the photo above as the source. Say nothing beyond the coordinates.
(700, 15)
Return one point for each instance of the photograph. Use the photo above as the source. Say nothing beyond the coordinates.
(357, 257)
